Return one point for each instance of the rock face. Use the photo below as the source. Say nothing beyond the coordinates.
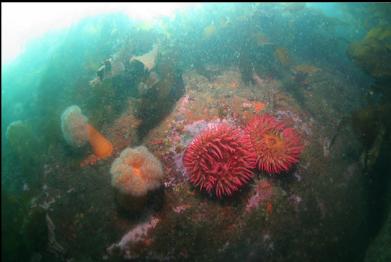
(317, 199)
(22, 141)
(274, 217)
(379, 250)
(379, 247)
(159, 92)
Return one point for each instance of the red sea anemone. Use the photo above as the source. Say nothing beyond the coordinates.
(277, 147)
(220, 159)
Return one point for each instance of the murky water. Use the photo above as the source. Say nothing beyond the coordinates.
(225, 132)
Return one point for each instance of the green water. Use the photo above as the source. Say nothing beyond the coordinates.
(323, 69)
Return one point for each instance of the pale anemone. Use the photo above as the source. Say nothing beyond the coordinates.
(135, 174)
(74, 126)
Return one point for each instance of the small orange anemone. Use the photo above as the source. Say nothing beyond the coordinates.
(259, 106)
(101, 146)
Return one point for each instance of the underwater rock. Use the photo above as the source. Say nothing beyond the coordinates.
(135, 73)
(366, 122)
(104, 70)
(159, 92)
(22, 141)
(370, 156)
(107, 64)
(101, 73)
(136, 175)
(13, 213)
(124, 129)
(148, 59)
(53, 245)
(110, 68)
(134, 236)
(263, 192)
(35, 231)
(379, 249)
(148, 83)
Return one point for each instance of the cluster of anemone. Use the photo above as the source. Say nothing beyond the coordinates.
(77, 132)
(222, 159)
